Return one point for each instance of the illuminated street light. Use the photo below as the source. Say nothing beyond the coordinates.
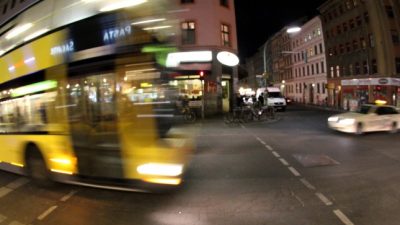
(293, 30)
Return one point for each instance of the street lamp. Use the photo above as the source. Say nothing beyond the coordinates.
(293, 30)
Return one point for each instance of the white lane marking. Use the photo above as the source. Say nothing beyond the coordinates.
(294, 171)
(4, 191)
(307, 184)
(15, 223)
(269, 147)
(2, 218)
(261, 141)
(284, 162)
(323, 198)
(276, 154)
(68, 196)
(343, 217)
(47, 212)
(18, 183)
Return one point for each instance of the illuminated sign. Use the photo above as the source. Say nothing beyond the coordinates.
(113, 34)
(62, 49)
(34, 88)
(176, 58)
(228, 59)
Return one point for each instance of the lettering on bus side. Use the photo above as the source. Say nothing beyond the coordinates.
(64, 48)
(113, 34)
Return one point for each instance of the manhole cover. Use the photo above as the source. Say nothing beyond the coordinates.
(315, 160)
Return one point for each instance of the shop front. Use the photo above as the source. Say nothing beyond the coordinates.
(205, 79)
(356, 92)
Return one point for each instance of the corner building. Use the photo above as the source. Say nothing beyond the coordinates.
(208, 25)
(363, 51)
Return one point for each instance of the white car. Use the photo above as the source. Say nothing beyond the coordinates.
(369, 118)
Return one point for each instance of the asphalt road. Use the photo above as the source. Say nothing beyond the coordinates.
(294, 171)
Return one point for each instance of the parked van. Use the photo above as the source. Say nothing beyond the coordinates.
(273, 97)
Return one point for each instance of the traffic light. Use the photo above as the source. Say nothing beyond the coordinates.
(201, 73)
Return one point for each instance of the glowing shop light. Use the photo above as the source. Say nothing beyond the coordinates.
(157, 28)
(228, 58)
(18, 30)
(148, 21)
(36, 34)
(122, 4)
(34, 88)
(176, 58)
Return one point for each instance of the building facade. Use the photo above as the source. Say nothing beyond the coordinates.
(281, 59)
(308, 81)
(363, 51)
(208, 25)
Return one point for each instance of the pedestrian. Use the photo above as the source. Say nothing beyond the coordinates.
(261, 100)
(239, 100)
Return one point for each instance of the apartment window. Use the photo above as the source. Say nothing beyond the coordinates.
(312, 69)
(323, 88)
(351, 70)
(319, 31)
(355, 45)
(371, 40)
(322, 67)
(187, 1)
(318, 88)
(389, 11)
(355, 3)
(363, 43)
(341, 9)
(344, 71)
(316, 50)
(358, 21)
(374, 66)
(338, 71)
(365, 67)
(339, 29)
(188, 32)
(304, 71)
(224, 3)
(357, 69)
(366, 17)
(395, 37)
(348, 4)
(352, 24)
(348, 47)
(332, 72)
(321, 49)
(397, 65)
(344, 27)
(225, 34)
(317, 67)
(308, 70)
(341, 49)
(13, 4)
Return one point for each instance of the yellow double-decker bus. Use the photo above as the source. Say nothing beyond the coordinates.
(90, 102)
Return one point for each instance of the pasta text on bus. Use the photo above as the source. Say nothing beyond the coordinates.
(113, 34)
(62, 49)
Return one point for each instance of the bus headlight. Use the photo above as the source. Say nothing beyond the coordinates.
(170, 170)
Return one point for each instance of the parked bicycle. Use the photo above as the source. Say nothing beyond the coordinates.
(188, 114)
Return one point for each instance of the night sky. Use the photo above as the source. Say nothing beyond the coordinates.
(258, 19)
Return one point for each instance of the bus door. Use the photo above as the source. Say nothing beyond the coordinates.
(92, 116)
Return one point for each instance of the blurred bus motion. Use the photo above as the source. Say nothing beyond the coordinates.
(85, 96)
